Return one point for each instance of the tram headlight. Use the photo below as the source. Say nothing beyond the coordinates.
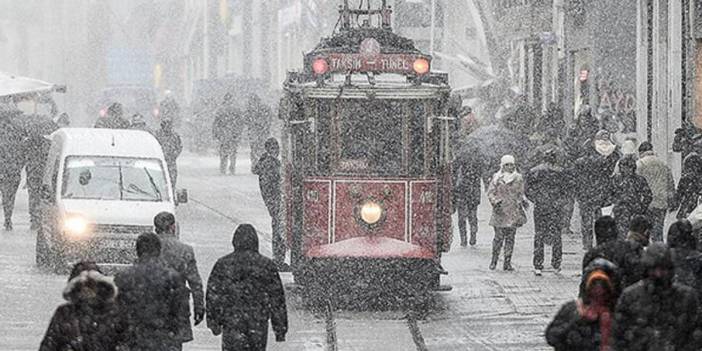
(371, 212)
(421, 66)
(75, 226)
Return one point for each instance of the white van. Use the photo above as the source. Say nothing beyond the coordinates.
(101, 189)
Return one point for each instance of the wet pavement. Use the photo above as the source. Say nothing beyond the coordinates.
(486, 310)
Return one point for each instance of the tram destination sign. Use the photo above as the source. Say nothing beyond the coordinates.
(386, 63)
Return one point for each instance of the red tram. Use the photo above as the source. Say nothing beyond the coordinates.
(366, 157)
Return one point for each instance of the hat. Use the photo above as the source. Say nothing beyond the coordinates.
(507, 159)
(645, 146)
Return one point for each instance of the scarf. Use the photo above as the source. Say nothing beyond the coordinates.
(604, 147)
(598, 312)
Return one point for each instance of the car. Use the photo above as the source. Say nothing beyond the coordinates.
(101, 189)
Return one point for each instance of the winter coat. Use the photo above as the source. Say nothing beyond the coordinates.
(151, 296)
(623, 253)
(631, 196)
(181, 258)
(172, 147)
(227, 125)
(548, 185)
(593, 173)
(689, 187)
(569, 331)
(86, 325)
(507, 201)
(655, 318)
(659, 178)
(268, 171)
(467, 169)
(12, 145)
(244, 290)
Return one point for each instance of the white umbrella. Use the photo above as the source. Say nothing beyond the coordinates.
(18, 86)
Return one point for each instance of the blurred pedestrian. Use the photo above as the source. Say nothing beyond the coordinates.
(506, 195)
(690, 186)
(151, 296)
(659, 178)
(244, 292)
(36, 151)
(686, 258)
(548, 186)
(610, 246)
(656, 313)
(586, 323)
(181, 258)
(169, 109)
(90, 319)
(139, 123)
(630, 194)
(639, 230)
(258, 116)
(226, 129)
(114, 118)
(593, 182)
(468, 167)
(12, 159)
(268, 170)
(172, 146)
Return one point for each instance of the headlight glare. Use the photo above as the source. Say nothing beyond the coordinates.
(75, 227)
(371, 212)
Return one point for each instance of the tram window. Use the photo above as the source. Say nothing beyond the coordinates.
(370, 137)
(417, 116)
(323, 128)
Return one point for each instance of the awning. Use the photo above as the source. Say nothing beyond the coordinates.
(11, 85)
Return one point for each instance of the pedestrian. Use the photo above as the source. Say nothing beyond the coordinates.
(506, 195)
(169, 109)
(660, 180)
(580, 137)
(585, 324)
(639, 230)
(593, 184)
(151, 296)
(114, 118)
(12, 159)
(258, 116)
(610, 246)
(172, 146)
(139, 123)
(268, 170)
(181, 258)
(686, 258)
(690, 186)
(90, 319)
(468, 168)
(656, 313)
(37, 150)
(226, 129)
(630, 193)
(548, 186)
(244, 292)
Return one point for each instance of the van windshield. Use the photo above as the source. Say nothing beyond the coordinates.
(114, 178)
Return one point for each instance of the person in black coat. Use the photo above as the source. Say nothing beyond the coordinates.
(586, 323)
(226, 129)
(268, 170)
(244, 292)
(593, 182)
(12, 160)
(468, 168)
(690, 186)
(172, 146)
(114, 118)
(548, 187)
(625, 254)
(152, 296)
(656, 313)
(630, 193)
(90, 320)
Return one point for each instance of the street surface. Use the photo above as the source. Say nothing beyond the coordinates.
(486, 310)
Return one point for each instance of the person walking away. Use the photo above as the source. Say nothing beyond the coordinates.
(468, 168)
(690, 186)
(593, 183)
(585, 324)
(506, 195)
(12, 160)
(151, 296)
(656, 313)
(268, 171)
(90, 319)
(181, 258)
(226, 129)
(630, 194)
(659, 178)
(172, 146)
(37, 150)
(244, 292)
(548, 186)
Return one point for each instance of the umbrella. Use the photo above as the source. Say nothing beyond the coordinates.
(17, 86)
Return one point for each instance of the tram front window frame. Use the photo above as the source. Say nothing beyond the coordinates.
(341, 130)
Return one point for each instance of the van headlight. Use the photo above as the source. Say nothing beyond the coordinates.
(371, 212)
(75, 226)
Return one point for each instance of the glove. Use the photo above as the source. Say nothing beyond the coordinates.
(199, 315)
(216, 329)
(280, 337)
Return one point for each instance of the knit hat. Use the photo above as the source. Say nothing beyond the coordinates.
(507, 159)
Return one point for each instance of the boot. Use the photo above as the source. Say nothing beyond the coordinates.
(8, 225)
(473, 238)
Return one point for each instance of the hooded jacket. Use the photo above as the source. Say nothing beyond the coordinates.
(90, 320)
(245, 289)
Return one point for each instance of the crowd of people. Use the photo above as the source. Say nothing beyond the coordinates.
(146, 306)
